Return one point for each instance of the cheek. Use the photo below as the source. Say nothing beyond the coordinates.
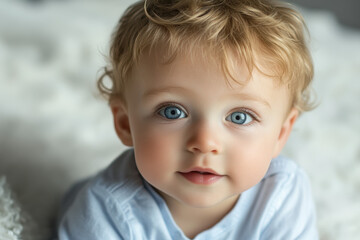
(155, 152)
(249, 160)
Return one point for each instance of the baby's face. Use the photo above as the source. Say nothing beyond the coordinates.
(198, 140)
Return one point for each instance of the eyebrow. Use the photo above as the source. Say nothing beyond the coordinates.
(249, 97)
(154, 92)
(242, 96)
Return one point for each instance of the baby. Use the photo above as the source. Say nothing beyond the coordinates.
(205, 92)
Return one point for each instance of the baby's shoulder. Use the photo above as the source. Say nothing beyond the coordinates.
(283, 196)
(282, 167)
(285, 181)
(98, 204)
(120, 180)
(118, 183)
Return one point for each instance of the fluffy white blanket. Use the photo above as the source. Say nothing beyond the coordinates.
(11, 224)
(15, 223)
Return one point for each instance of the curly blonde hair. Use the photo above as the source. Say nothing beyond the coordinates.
(273, 32)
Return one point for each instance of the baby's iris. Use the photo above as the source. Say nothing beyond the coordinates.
(240, 118)
(172, 112)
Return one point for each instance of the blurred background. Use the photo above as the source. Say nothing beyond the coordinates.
(55, 129)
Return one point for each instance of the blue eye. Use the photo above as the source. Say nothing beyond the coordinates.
(240, 118)
(172, 112)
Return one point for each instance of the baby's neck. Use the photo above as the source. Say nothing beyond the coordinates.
(192, 220)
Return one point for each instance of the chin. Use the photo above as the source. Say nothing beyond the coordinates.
(201, 201)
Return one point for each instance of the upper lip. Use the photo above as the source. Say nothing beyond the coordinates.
(201, 170)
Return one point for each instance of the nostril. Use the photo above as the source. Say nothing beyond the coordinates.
(195, 150)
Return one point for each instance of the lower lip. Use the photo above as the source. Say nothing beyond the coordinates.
(200, 178)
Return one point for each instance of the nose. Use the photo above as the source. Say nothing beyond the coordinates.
(204, 138)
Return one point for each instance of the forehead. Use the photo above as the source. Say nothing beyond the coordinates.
(225, 57)
(200, 58)
(227, 64)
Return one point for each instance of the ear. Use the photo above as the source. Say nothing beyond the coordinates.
(285, 131)
(121, 122)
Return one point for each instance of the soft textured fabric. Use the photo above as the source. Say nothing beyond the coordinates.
(119, 204)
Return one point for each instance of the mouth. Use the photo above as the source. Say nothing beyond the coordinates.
(202, 176)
